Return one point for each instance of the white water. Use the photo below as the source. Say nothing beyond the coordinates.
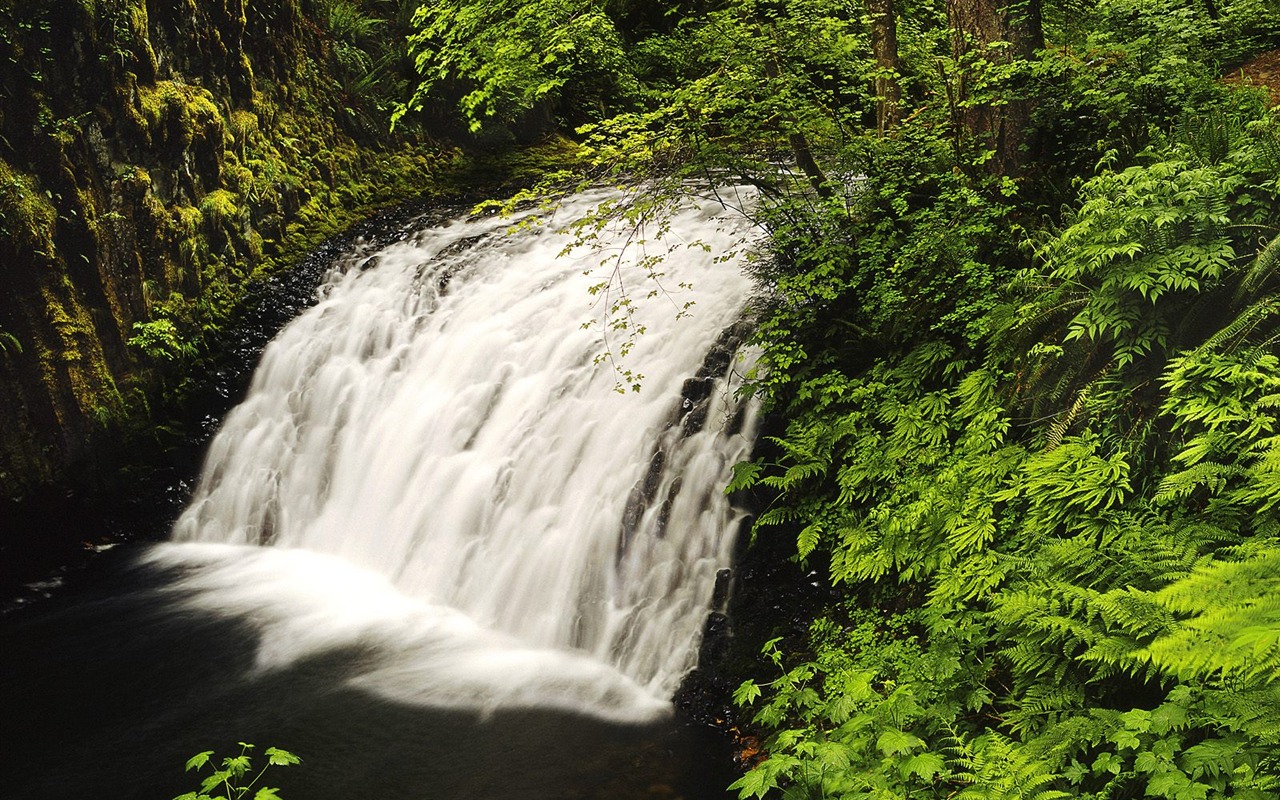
(437, 428)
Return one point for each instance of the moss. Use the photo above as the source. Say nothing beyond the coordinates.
(219, 207)
(77, 362)
(238, 179)
(138, 22)
(71, 325)
(246, 66)
(256, 246)
(248, 180)
(176, 114)
(28, 216)
(243, 126)
(136, 179)
(184, 221)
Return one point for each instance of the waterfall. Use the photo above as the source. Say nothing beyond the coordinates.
(437, 449)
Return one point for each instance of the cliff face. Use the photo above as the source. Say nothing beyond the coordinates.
(155, 154)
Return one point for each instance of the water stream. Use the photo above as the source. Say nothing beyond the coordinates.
(434, 532)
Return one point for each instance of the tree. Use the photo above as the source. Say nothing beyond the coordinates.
(884, 45)
(992, 41)
(513, 58)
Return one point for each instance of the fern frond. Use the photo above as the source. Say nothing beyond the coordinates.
(1254, 713)
(1263, 268)
(1211, 476)
(1133, 612)
(1232, 626)
(795, 475)
(1044, 705)
(997, 768)
(1059, 428)
(1239, 329)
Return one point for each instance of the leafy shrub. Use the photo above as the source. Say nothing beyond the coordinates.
(233, 778)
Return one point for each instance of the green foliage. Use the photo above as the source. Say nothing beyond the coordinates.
(1235, 638)
(1028, 425)
(1037, 454)
(372, 59)
(515, 56)
(863, 718)
(1139, 235)
(233, 777)
(28, 214)
(160, 339)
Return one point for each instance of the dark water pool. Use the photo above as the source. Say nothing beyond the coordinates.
(109, 687)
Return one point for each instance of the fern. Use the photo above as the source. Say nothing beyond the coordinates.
(1253, 713)
(1207, 475)
(1261, 493)
(1075, 506)
(1232, 629)
(1261, 271)
(1234, 333)
(746, 474)
(995, 768)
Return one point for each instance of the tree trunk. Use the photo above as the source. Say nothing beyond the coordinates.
(997, 121)
(800, 145)
(884, 44)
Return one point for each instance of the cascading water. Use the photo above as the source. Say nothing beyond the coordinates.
(433, 545)
(440, 417)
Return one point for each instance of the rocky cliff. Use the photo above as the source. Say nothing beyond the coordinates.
(154, 156)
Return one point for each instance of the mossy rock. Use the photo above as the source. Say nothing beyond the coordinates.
(219, 207)
(28, 217)
(177, 116)
(184, 221)
(243, 126)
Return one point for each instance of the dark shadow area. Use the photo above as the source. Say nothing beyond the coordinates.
(108, 690)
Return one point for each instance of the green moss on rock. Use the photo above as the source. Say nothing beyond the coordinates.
(219, 207)
(175, 114)
(27, 214)
(179, 150)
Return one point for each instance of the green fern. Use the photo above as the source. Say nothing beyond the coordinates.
(1261, 271)
(1211, 477)
(1232, 626)
(996, 768)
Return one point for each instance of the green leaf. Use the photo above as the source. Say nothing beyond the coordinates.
(745, 475)
(1148, 762)
(755, 783)
(894, 742)
(213, 780)
(1168, 784)
(746, 693)
(808, 539)
(237, 765)
(198, 760)
(281, 758)
(1107, 762)
(1125, 739)
(924, 766)
(1168, 717)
